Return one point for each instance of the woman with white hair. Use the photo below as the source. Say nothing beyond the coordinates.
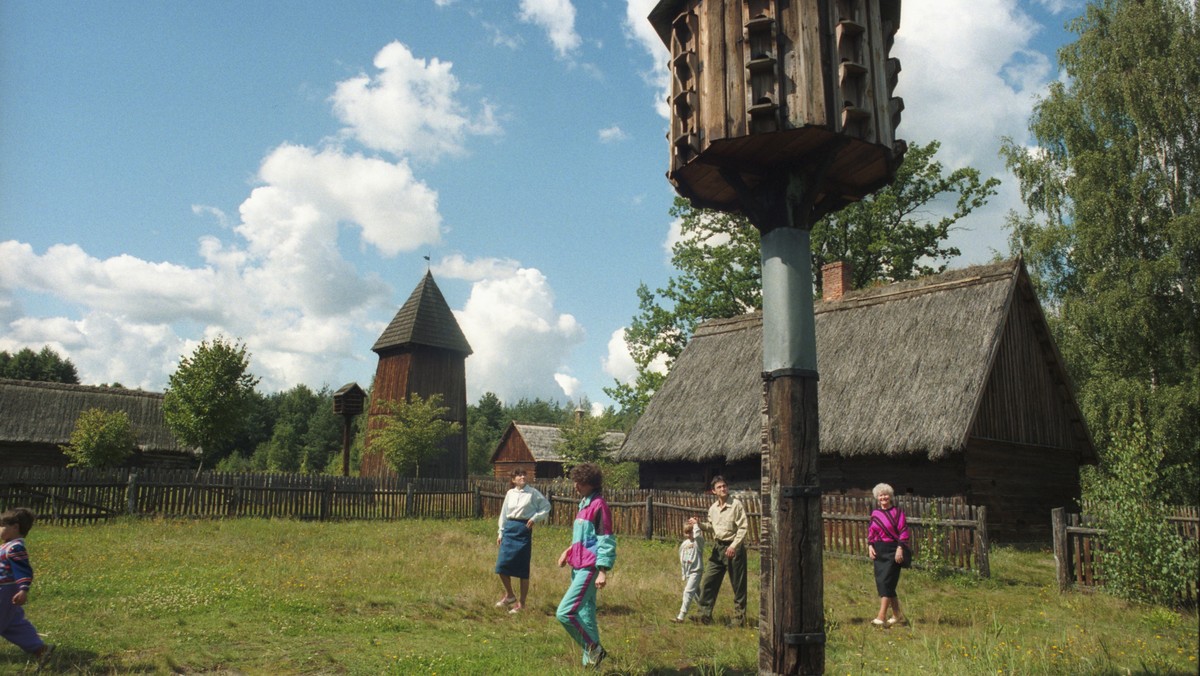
(887, 543)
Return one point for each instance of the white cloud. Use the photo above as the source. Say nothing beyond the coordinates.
(968, 79)
(456, 266)
(520, 340)
(612, 134)
(618, 363)
(557, 18)
(569, 383)
(410, 107)
(640, 31)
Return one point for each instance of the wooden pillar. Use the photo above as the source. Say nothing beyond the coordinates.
(792, 625)
(792, 618)
(346, 419)
(1062, 553)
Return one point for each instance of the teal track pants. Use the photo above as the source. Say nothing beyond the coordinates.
(577, 611)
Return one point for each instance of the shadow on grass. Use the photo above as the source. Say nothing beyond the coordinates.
(64, 659)
(696, 671)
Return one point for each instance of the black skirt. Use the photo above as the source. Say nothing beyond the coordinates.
(887, 571)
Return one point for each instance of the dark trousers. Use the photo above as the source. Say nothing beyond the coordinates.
(714, 573)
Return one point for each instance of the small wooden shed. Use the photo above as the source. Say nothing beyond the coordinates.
(532, 447)
(36, 418)
(946, 386)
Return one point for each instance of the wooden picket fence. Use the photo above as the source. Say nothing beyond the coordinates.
(1079, 547)
(946, 531)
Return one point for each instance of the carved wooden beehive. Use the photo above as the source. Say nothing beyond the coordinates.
(761, 87)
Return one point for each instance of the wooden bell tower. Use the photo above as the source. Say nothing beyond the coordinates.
(422, 351)
(783, 111)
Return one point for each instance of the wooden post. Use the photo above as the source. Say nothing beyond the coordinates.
(326, 501)
(131, 494)
(982, 546)
(792, 631)
(649, 517)
(478, 502)
(409, 504)
(1062, 549)
(346, 444)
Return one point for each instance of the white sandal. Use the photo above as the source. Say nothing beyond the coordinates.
(506, 601)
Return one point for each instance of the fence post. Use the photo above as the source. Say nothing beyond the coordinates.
(131, 494)
(1062, 555)
(649, 517)
(982, 547)
(326, 500)
(478, 502)
(408, 501)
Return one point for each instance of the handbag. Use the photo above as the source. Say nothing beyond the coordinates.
(894, 532)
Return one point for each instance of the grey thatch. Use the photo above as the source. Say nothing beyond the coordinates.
(45, 413)
(902, 370)
(424, 319)
(542, 440)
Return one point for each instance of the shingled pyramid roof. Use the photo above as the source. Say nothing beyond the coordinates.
(424, 319)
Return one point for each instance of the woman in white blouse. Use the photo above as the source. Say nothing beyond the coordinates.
(523, 506)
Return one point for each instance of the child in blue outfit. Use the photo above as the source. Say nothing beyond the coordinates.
(16, 574)
(591, 555)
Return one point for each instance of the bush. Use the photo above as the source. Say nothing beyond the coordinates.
(1144, 559)
(101, 439)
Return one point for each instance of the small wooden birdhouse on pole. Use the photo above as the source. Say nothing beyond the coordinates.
(348, 402)
(782, 110)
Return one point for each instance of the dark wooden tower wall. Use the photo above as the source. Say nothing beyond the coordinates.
(422, 352)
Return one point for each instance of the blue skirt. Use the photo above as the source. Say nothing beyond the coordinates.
(516, 548)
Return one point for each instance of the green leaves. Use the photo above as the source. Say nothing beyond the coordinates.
(1111, 232)
(101, 439)
(412, 431)
(207, 397)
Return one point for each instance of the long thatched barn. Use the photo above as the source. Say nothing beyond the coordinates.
(949, 385)
(36, 418)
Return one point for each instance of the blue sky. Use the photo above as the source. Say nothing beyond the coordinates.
(276, 172)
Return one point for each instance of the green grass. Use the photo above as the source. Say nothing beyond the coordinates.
(277, 597)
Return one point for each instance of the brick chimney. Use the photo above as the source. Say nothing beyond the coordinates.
(835, 280)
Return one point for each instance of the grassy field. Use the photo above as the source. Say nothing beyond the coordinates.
(284, 597)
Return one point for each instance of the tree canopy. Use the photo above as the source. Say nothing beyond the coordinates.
(101, 439)
(412, 431)
(207, 398)
(885, 237)
(45, 366)
(1111, 231)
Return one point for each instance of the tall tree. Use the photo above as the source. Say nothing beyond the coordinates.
(207, 397)
(412, 431)
(718, 260)
(1111, 230)
(485, 424)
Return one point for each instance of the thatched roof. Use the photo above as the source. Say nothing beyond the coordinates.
(424, 319)
(45, 413)
(902, 369)
(542, 440)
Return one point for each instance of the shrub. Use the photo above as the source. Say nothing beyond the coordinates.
(101, 439)
(1143, 559)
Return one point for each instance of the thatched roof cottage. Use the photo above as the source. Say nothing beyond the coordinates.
(949, 385)
(36, 418)
(533, 447)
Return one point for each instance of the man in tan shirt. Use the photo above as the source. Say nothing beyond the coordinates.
(727, 526)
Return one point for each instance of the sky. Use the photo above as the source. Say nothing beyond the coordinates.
(283, 174)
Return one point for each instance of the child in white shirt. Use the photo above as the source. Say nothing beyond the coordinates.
(691, 564)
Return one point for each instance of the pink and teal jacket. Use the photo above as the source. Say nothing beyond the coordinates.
(593, 544)
(14, 564)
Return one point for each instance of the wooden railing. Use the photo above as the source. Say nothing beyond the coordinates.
(945, 531)
(1079, 547)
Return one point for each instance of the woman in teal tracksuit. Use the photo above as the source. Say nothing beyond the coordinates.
(591, 555)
